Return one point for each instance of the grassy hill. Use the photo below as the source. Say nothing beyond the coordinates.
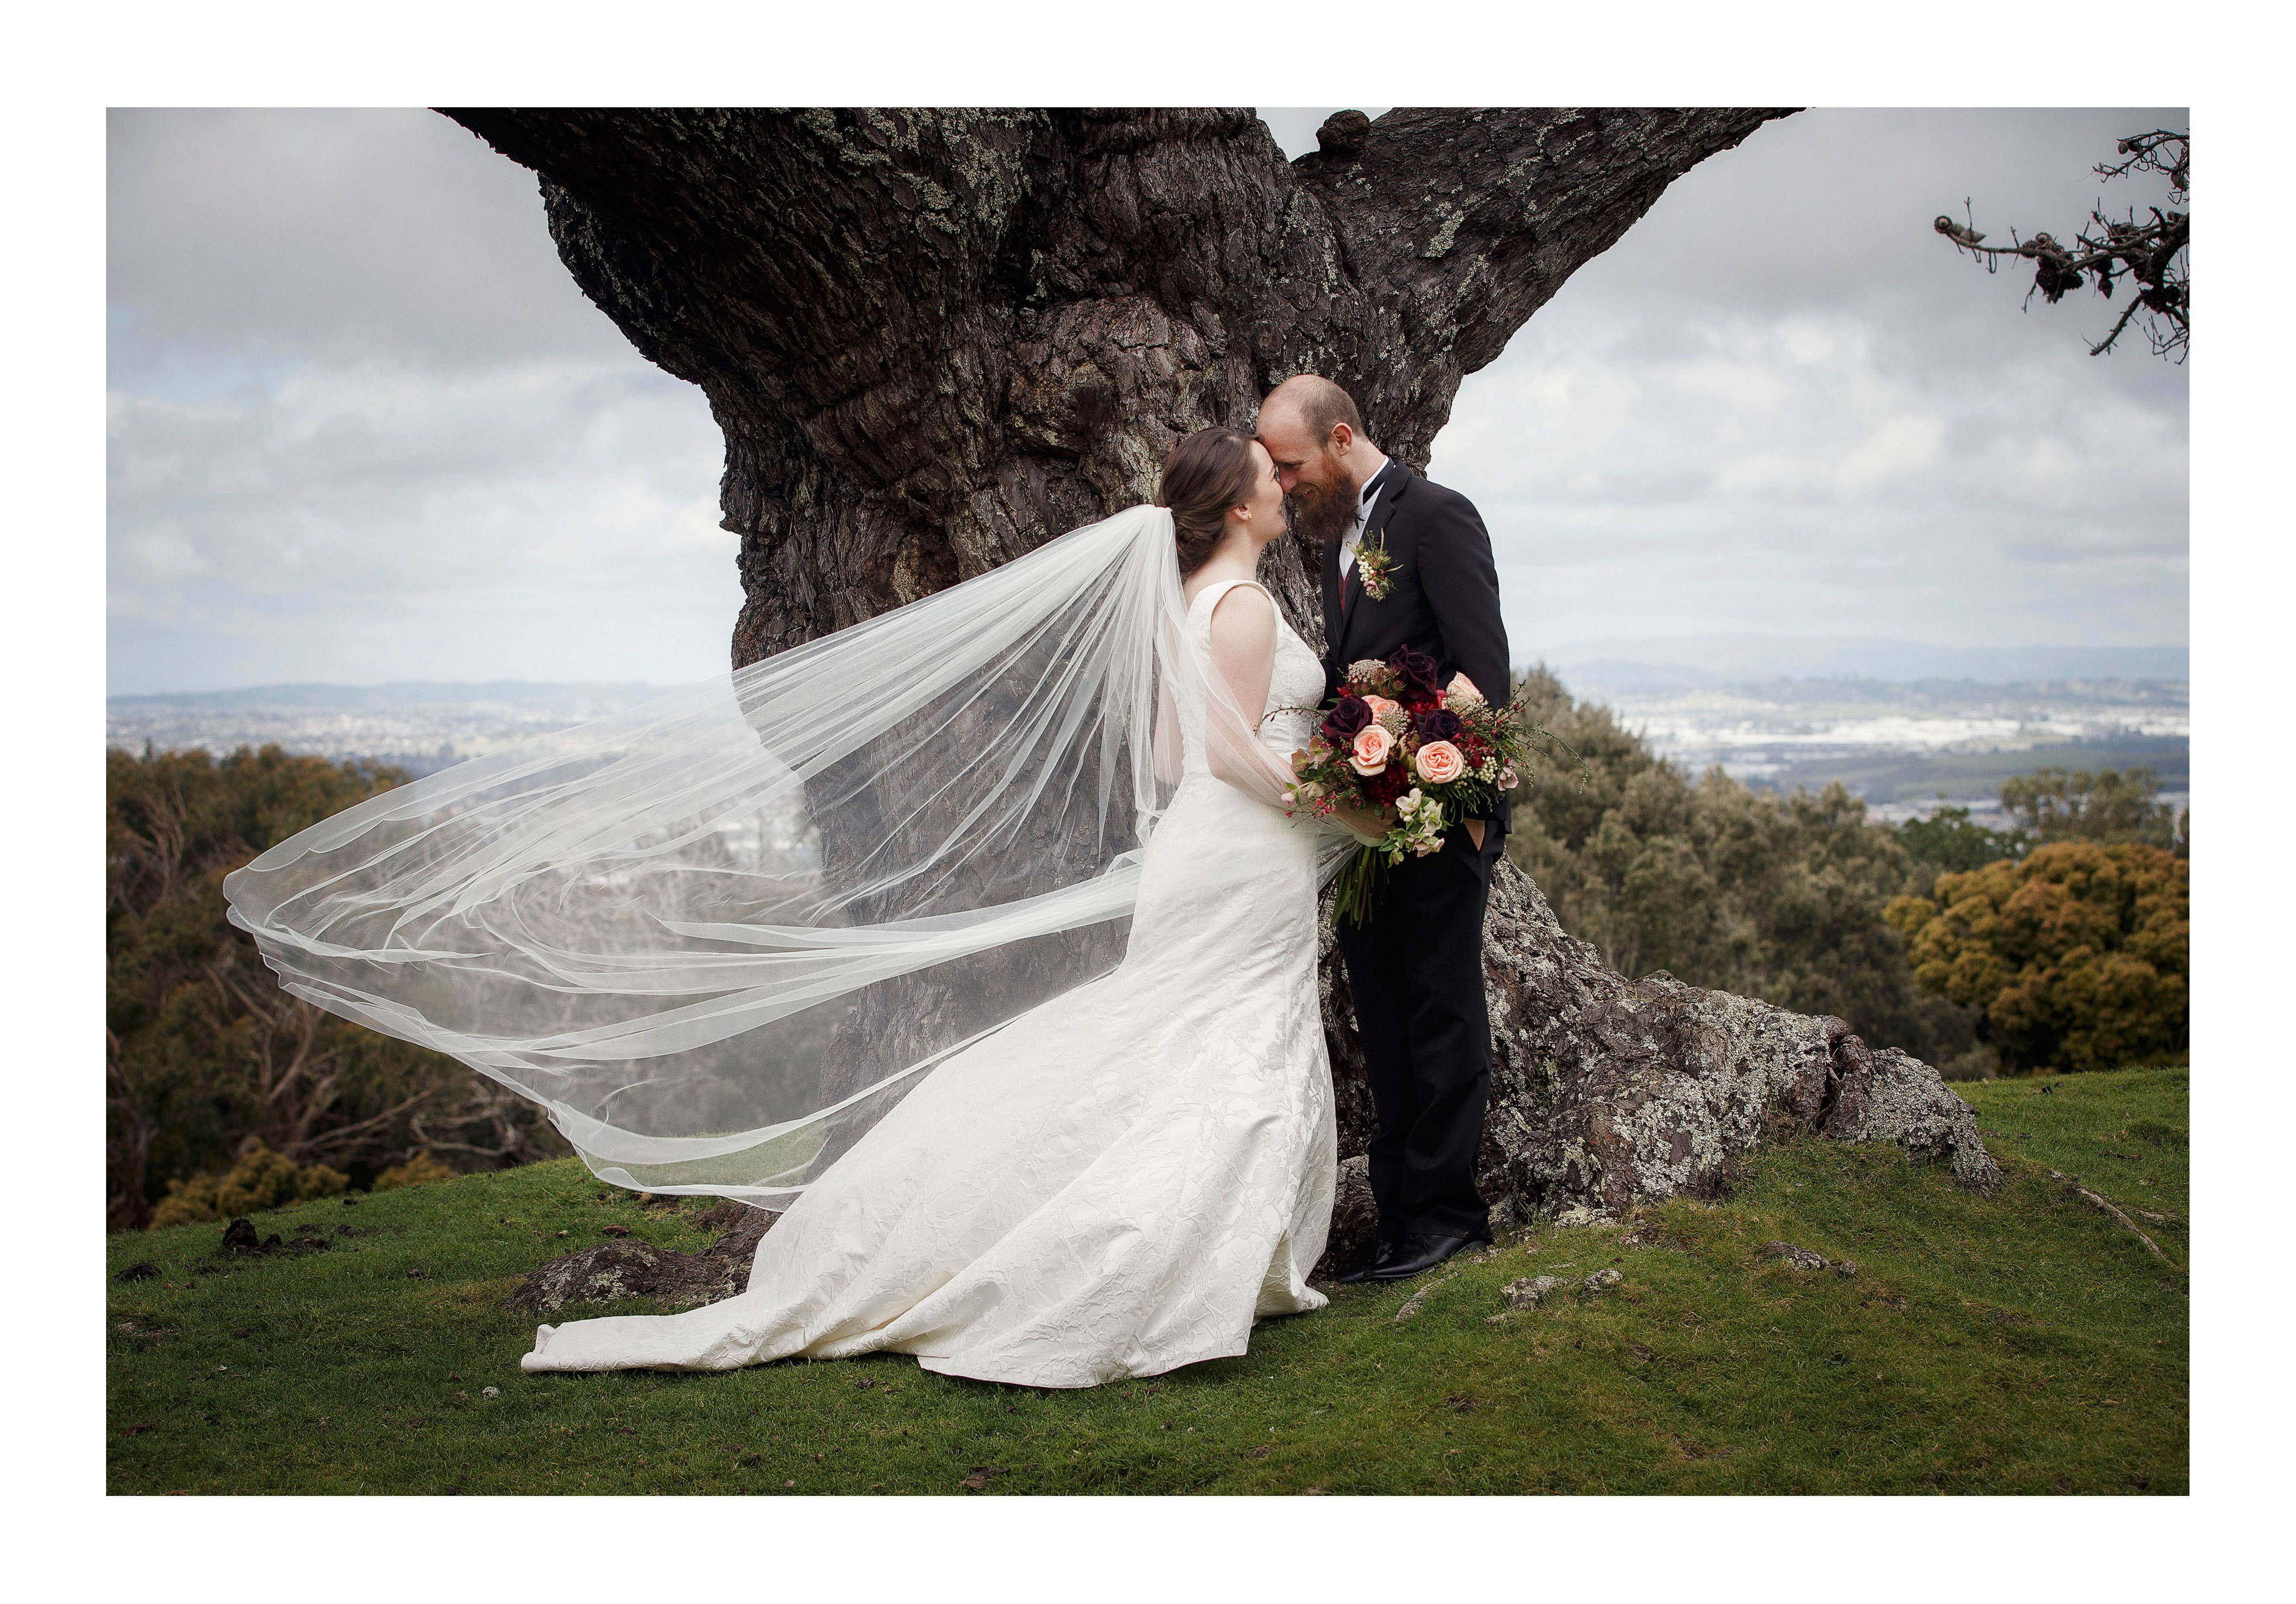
(2021, 1344)
(1915, 777)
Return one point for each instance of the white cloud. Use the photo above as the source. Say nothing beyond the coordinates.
(537, 520)
(1651, 468)
(364, 427)
(165, 555)
(259, 239)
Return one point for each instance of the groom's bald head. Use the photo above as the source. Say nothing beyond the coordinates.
(1314, 435)
(1316, 403)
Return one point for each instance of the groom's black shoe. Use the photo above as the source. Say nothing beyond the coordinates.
(1382, 1252)
(1419, 1254)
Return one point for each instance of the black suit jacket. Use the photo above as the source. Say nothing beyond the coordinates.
(1444, 598)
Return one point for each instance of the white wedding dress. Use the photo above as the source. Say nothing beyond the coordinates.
(1119, 1180)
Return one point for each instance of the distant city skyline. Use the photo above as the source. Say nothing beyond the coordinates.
(363, 427)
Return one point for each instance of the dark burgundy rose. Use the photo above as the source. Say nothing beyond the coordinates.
(1345, 722)
(1438, 724)
(1382, 789)
(1418, 671)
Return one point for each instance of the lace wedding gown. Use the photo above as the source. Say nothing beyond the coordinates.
(1119, 1181)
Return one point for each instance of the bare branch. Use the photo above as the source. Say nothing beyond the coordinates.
(2127, 312)
(2151, 254)
(339, 1137)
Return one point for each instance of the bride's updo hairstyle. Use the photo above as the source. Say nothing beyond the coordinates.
(1205, 475)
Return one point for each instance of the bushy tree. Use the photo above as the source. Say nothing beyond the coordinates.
(203, 1050)
(1947, 843)
(1722, 886)
(2077, 955)
(2108, 807)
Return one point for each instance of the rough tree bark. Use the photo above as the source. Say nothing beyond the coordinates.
(936, 339)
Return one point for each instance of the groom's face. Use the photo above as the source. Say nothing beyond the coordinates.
(1316, 481)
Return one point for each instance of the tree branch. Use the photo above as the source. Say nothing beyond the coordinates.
(1478, 216)
(2149, 253)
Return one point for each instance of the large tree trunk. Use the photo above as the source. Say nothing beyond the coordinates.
(935, 339)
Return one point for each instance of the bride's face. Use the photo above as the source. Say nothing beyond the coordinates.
(1262, 515)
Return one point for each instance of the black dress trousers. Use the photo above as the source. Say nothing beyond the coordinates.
(1415, 974)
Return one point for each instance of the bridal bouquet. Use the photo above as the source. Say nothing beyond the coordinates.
(1434, 754)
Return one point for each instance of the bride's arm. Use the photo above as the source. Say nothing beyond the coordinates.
(1164, 744)
(1243, 666)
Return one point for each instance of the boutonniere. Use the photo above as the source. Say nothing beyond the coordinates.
(1376, 566)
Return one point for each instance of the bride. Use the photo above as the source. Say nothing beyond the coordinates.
(849, 936)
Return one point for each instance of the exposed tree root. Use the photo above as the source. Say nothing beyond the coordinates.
(2097, 1200)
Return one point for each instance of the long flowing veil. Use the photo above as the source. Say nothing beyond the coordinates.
(718, 935)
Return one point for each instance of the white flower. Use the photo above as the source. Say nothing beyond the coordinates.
(1407, 804)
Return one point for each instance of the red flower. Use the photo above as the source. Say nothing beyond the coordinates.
(1382, 789)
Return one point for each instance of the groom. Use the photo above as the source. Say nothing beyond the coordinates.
(1415, 965)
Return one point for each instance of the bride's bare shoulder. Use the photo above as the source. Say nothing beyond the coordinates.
(1244, 621)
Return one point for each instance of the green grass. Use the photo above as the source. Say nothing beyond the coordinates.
(2020, 1343)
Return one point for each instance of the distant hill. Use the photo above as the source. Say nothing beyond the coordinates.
(1686, 661)
(538, 696)
(421, 726)
(1885, 777)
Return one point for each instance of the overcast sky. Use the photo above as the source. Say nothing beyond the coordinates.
(363, 427)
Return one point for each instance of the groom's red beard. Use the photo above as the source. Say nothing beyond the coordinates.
(1322, 518)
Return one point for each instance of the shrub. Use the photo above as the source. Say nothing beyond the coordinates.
(418, 1171)
(2078, 955)
(1773, 896)
(2070, 950)
(203, 1049)
(1947, 843)
(261, 1180)
(2108, 807)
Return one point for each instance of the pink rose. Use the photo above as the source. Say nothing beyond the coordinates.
(1440, 763)
(1378, 705)
(1373, 744)
(1459, 690)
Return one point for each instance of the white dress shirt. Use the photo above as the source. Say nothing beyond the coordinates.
(1354, 537)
